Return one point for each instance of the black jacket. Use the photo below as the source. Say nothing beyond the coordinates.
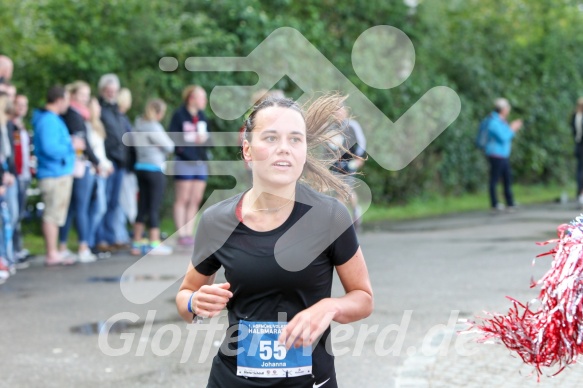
(573, 129)
(112, 120)
(131, 151)
(180, 116)
(76, 126)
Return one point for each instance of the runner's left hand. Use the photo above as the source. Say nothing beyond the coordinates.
(307, 326)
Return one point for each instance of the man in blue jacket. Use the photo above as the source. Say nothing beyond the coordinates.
(498, 148)
(55, 152)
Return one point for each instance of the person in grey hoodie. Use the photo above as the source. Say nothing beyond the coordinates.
(152, 147)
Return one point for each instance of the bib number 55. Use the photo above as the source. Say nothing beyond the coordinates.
(272, 349)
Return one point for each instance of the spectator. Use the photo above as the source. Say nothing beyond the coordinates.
(577, 126)
(6, 263)
(128, 206)
(350, 143)
(98, 204)
(55, 152)
(190, 177)
(6, 68)
(498, 148)
(10, 198)
(151, 152)
(22, 163)
(116, 152)
(75, 118)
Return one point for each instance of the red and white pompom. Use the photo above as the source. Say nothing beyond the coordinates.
(550, 335)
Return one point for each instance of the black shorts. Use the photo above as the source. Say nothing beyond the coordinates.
(224, 375)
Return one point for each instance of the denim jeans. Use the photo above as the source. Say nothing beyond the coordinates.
(23, 185)
(79, 208)
(128, 208)
(122, 235)
(12, 200)
(97, 209)
(106, 231)
(9, 212)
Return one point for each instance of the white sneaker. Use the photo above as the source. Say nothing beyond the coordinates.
(67, 255)
(86, 256)
(160, 250)
(4, 272)
(22, 254)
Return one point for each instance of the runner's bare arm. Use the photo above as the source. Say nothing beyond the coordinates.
(356, 304)
(209, 299)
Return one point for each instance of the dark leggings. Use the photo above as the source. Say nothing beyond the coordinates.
(152, 185)
(500, 168)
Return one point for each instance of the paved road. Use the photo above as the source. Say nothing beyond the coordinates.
(426, 275)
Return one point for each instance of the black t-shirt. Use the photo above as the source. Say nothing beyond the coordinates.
(285, 270)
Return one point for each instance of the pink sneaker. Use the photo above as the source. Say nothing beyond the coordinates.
(186, 241)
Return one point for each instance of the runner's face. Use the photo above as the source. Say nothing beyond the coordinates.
(278, 147)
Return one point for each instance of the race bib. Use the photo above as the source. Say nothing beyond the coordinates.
(261, 355)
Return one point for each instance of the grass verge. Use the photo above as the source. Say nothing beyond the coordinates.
(439, 205)
(431, 205)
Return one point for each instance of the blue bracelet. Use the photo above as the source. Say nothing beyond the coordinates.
(190, 303)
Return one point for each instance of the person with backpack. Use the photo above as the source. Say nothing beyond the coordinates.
(495, 137)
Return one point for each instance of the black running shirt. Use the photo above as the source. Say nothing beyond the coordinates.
(285, 270)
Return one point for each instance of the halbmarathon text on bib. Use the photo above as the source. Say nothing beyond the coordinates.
(261, 355)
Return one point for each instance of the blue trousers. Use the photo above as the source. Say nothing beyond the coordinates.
(106, 231)
(500, 168)
(79, 208)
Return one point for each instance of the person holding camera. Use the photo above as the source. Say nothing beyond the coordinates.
(497, 149)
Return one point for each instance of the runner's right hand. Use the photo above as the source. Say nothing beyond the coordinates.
(210, 300)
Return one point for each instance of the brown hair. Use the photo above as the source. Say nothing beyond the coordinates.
(153, 108)
(322, 121)
(74, 87)
(189, 90)
(55, 93)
